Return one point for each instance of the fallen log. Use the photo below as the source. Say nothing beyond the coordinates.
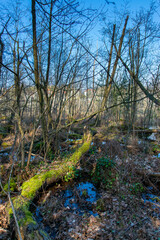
(29, 228)
(148, 174)
(154, 174)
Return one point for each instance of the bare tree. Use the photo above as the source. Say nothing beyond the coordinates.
(110, 76)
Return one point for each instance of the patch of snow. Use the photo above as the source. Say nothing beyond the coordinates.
(153, 127)
(5, 154)
(152, 137)
(122, 144)
(69, 140)
(31, 159)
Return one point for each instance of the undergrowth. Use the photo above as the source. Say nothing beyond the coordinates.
(103, 172)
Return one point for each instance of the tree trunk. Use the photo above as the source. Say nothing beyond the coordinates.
(36, 75)
(110, 78)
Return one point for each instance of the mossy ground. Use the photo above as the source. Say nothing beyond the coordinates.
(12, 185)
(31, 187)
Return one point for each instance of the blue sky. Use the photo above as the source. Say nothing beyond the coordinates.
(132, 6)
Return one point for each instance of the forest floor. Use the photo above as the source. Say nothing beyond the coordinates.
(113, 195)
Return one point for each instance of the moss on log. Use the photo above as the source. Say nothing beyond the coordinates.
(28, 226)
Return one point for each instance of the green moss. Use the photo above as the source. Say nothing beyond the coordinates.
(157, 199)
(85, 193)
(3, 117)
(18, 202)
(44, 233)
(22, 209)
(100, 206)
(79, 152)
(12, 185)
(6, 144)
(30, 187)
(74, 136)
(27, 219)
(2, 170)
(21, 206)
(78, 141)
(156, 148)
(93, 131)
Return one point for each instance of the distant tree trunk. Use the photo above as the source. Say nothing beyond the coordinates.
(47, 98)
(110, 77)
(108, 84)
(87, 84)
(1, 57)
(18, 91)
(135, 65)
(2, 50)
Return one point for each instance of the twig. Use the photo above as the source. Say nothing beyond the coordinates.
(12, 206)
(132, 225)
(9, 197)
(152, 203)
(15, 217)
(10, 200)
(36, 155)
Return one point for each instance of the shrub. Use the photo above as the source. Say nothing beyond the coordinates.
(103, 172)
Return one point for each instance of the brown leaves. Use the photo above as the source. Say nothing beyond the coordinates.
(3, 223)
